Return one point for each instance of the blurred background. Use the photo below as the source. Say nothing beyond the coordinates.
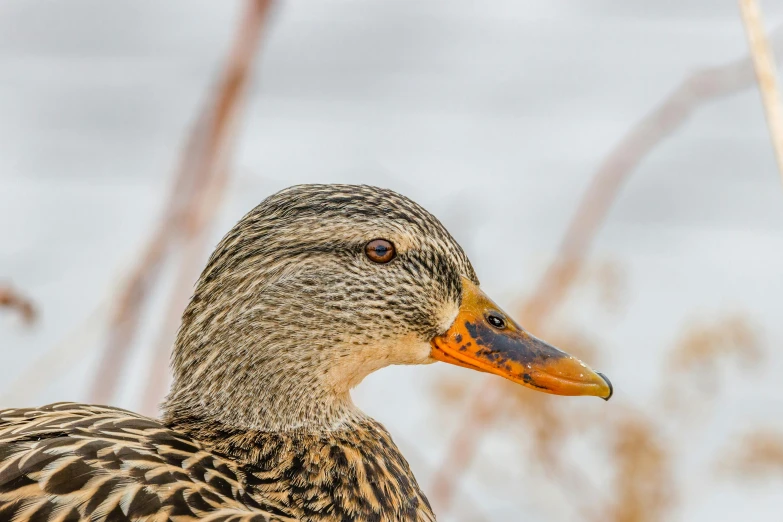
(606, 166)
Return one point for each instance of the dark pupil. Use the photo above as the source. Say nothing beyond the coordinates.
(380, 251)
(496, 321)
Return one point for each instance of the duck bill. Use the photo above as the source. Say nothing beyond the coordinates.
(485, 338)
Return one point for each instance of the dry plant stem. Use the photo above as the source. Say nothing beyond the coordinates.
(178, 218)
(464, 447)
(207, 160)
(701, 87)
(12, 299)
(755, 455)
(124, 323)
(765, 73)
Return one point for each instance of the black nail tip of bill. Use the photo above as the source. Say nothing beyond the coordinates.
(609, 383)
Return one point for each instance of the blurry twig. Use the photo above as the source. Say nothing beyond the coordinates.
(124, 322)
(699, 88)
(193, 200)
(206, 159)
(765, 73)
(10, 298)
(463, 448)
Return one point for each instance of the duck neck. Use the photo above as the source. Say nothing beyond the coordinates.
(238, 367)
(276, 403)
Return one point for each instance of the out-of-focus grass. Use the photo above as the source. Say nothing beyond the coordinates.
(757, 455)
(640, 456)
(699, 353)
(631, 437)
(644, 481)
(14, 300)
(194, 200)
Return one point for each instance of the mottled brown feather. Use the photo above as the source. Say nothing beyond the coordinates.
(69, 461)
(98, 463)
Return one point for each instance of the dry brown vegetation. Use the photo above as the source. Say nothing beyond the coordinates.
(13, 300)
(703, 344)
(644, 482)
(702, 350)
(764, 64)
(629, 437)
(193, 202)
(644, 489)
(756, 455)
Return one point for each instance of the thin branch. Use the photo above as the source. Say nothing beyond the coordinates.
(207, 161)
(465, 445)
(764, 63)
(130, 302)
(12, 299)
(552, 290)
(134, 295)
(182, 216)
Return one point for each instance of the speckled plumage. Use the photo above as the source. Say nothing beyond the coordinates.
(288, 315)
(72, 461)
(68, 462)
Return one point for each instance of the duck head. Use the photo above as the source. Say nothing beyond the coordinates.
(320, 285)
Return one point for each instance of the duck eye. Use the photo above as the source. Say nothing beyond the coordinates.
(380, 250)
(496, 320)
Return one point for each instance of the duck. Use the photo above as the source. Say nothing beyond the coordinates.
(310, 292)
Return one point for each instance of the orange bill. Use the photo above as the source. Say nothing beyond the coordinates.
(485, 338)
